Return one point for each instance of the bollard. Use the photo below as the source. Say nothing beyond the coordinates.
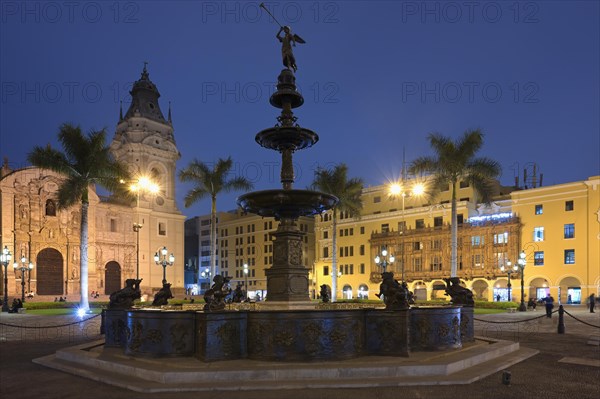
(561, 320)
(506, 377)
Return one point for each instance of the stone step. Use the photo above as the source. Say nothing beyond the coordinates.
(188, 374)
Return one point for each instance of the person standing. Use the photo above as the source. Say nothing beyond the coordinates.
(592, 303)
(549, 305)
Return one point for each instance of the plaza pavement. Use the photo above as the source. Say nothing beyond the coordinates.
(566, 367)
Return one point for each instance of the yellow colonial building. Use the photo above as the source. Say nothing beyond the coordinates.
(241, 239)
(558, 227)
(31, 226)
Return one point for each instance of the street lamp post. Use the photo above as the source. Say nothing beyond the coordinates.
(5, 258)
(399, 189)
(206, 274)
(162, 261)
(508, 270)
(339, 276)
(25, 266)
(384, 259)
(141, 184)
(521, 264)
(246, 280)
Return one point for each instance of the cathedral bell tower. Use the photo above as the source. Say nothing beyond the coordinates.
(144, 141)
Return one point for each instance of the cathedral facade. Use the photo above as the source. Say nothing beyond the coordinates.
(123, 237)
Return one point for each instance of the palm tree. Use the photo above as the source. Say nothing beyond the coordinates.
(86, 161)
(210, 182)
(455, 161)
(335, 182)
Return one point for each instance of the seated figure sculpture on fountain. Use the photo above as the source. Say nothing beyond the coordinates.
(215, 296)
(395, 295)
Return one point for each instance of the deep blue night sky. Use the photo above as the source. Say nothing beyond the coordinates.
(377, 77)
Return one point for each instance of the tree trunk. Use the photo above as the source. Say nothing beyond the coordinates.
(213, 237)
(83, 251)
(334, 259)
(453, 235)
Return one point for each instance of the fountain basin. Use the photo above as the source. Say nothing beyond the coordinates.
(290, 335)
(286, 137)
(288, 204)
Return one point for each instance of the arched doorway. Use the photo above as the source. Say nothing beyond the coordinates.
(438, 289)
(539, 288)
(49, 272)
(363, 291)
(420, 291)
(569, 291)
(112, 277)
(347, 292)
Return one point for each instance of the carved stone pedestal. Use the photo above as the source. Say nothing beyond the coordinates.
(287, 279)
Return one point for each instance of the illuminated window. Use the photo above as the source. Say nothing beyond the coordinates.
(538, 258)
(477, 261)
(569, 256)
(539, 209)
(476, 241)
(570, 230)
(538, 234)
(501, 239)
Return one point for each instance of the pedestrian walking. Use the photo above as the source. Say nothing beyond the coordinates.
(549, 305)
(592, 303)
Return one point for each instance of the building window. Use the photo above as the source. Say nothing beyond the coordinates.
(538, 258)
(362, 230)
(464, 184)
(501, 239)
(362, 268)
(477, 261)
(570, 230)
(420, 223)
(476, 241)
(376, 199)
(361, 250)
(162, 229)
(326, 252)
(417, 265)
(436, 264)
(459, 219)
(325, 235)
(385, 228)
(325, 270)
(539, 209)
(436, 244)
(569, 256)
(438, 221)
(113, 225)
(417, 245)
(538, 234)
(569, 206)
